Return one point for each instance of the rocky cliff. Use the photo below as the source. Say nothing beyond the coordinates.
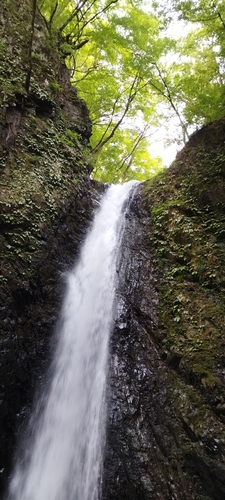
(166, 401)
(47, 202)
(166, 419)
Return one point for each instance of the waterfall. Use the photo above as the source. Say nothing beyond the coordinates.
(65, 446)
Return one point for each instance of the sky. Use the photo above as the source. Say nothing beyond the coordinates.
(167, 153)
(159, 142)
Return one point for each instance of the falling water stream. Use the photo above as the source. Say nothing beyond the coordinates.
(66, 443)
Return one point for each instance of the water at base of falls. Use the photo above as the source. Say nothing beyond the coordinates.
(66, 443)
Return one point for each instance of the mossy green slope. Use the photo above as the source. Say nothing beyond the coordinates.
(187, 240)
(187, 205)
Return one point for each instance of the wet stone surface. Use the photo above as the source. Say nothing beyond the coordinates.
(150, 452)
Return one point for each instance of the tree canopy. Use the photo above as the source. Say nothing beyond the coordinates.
(141, 66)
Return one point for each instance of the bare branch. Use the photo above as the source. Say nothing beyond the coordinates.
(140, 137)
(79, 10)
(72, 15)
(219, 15)
(167, 95)
(109, 123)
(52, 14)
(90, 70)
(100, 12)
(132, 94)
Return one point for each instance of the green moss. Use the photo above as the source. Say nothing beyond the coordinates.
(198, 420)
(47, 160)
(187, 234)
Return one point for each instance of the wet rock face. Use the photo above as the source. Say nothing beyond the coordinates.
(137, 378)
(163, 441)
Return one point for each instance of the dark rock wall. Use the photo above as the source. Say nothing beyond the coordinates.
(166, 427)
(47, 203)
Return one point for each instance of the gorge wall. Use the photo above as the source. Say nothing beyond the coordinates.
(166, 436)
(47, 202)
(166, 420)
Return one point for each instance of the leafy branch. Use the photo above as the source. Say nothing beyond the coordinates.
(68, 21)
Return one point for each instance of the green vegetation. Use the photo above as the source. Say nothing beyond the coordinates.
(140, 66)
(187, 240)
(35, 185)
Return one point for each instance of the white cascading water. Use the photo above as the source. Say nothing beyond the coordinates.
(66, 453)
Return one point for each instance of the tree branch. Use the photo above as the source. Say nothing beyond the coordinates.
(73, 15)
(52, 15)
(99, 13)
(219, 15)
(140, 137)
(131, 96)
(167, 95)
